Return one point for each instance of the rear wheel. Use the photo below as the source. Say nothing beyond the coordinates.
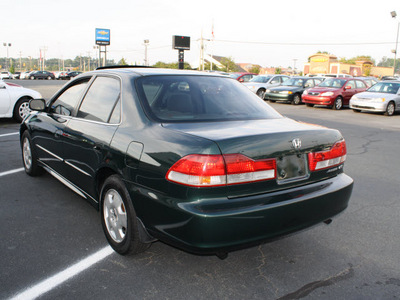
(261, 93)
(118, 218)
(390, 109)
(29, 157)
(49, 78)
(338, 104)
(21, 109)
(296, 99)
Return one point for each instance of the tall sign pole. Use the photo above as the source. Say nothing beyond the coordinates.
(181, 43)
(103, 39)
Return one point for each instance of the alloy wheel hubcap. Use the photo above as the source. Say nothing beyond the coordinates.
(24, 110)
(115, 216)
(27, 154)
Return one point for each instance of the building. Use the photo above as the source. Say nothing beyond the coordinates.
(329, 64)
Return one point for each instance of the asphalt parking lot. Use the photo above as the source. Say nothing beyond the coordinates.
(52, 245)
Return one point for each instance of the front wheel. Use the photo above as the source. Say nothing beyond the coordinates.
(49, 78)
(338, 104)
(29, 157)
(32, 78)
(296, 99)
(118, 218)
(390, 109)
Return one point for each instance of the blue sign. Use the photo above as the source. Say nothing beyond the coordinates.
(102, 36)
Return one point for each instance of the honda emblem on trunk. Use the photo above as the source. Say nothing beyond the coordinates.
(296, 143)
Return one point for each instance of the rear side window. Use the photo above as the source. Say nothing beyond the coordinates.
(67, 101)
(360, 84)
(200, 98)
(101, 99)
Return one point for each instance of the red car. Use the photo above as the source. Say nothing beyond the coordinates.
(334, 92)
(242, 77)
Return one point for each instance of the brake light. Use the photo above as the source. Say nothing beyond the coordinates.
(217, 170)
(326, 159)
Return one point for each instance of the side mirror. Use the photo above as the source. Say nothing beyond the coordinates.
(347, 87)
(37, 104)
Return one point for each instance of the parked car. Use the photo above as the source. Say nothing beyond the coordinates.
(337, 75)
(334, 92)
(291, 90)
(16, 75)
(259, 84)
(189, 158)
(14, 100)
(72, 74)
(242, 77)
(5, 75)
(41, 75)
(381, 97)
(369, 81)
(390, 78)
(25, 75)
(60, 74)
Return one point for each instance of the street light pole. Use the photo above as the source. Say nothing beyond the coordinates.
(7, 45)
(394, 14)
(146, 44)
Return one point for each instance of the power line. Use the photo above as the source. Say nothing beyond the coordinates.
(304, 44)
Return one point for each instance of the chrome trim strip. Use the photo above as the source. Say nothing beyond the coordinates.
(76, 168)
(49, 152)
(66, 183)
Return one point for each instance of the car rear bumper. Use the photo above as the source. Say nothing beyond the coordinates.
(209, 227)
(317, 100)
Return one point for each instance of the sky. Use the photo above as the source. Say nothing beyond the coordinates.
(268, 33)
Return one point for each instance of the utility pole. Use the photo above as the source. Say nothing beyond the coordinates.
(20, 61)
(44, 49)
(88, 53)
(146, 44)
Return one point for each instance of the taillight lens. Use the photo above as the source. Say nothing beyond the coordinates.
(217, 170)
(326, 159)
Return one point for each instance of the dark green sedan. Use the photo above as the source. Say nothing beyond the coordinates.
(291, 89)
(195, 160)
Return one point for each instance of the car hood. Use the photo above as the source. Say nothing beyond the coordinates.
(322, 89)
(287, 88)
(372, 95)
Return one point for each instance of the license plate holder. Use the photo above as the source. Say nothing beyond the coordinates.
(291, 167)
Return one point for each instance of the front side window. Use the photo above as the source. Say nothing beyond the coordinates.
(67, 101)
(200, 98)
(100, 100)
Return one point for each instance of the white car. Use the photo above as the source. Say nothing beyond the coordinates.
(382, 97)
(25, 75)
(5, 75)
(14, 100)
(261, 83)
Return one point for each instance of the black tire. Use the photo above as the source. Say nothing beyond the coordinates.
(49, 78)
(21, 109)
(118, 218)
(390, 109)
(273, 101)
(260, 93)
(296, 99)
(29, 157)
(309, 105)
(31, 78)
(338, 103)
(356, 110)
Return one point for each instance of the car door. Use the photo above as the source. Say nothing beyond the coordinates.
(4, 99)
(48, 128)
(349, 91)
(88, 134)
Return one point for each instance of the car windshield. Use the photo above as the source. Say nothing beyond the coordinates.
(385, 87)
(334, 83)
(294, 82)
(262, 79)
(234, 75)
(200, 98)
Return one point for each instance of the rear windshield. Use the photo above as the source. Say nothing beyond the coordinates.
(200, 98)
(335, 83)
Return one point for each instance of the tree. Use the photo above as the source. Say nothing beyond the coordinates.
(278, 70)
(122, 62)
(175, 65)
(255, 69)
(229, 65)
(12, 68)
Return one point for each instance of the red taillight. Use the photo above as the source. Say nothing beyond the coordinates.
(216, 170)
(326, 159)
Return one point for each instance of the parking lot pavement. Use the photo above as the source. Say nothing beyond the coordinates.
(45, 229)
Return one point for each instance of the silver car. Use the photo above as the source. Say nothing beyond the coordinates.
(383, 97)
(261, 83)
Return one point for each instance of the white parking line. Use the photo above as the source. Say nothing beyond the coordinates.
(8, 134)
(57, 279)
(11, 172)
